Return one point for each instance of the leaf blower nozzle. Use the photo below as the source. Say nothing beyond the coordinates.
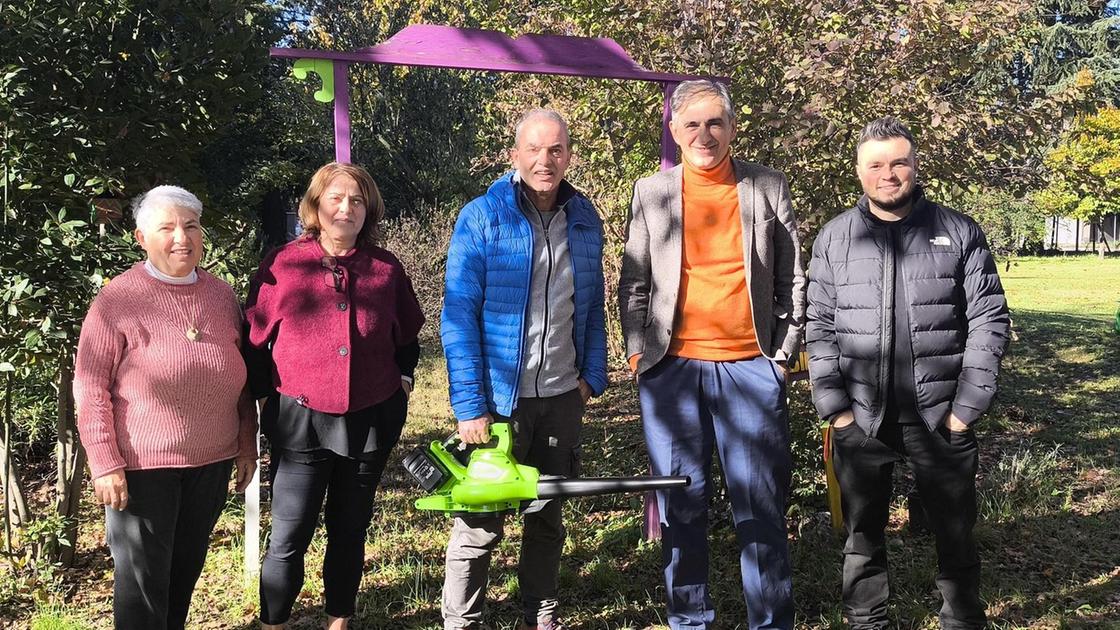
(594, 486)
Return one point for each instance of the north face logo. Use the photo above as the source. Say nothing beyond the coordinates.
(940, 240)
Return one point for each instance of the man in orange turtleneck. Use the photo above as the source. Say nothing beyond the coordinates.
(712, 300)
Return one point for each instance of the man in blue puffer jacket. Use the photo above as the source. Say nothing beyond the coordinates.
(524, 335)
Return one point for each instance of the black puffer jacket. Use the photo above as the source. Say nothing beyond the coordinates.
(959, 324)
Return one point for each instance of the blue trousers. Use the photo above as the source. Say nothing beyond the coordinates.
(739, 407)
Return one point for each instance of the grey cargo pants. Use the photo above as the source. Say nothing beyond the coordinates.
(546, 436)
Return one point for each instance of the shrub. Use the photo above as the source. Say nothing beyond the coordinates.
(421, 242)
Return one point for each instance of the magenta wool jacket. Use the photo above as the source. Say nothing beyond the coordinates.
(331, 324)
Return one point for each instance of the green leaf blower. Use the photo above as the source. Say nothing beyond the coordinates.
(490, 480)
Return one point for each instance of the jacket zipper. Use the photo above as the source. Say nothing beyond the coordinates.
(525, 306)
(885, 332)
(547, 301)
(529, 274)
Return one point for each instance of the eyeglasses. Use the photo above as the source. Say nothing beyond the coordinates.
(335, 276)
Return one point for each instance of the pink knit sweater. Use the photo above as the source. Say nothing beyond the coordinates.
(149, 397)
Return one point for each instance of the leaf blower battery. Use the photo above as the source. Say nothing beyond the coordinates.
(426, 469)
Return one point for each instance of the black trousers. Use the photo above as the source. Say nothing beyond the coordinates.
(159, 542)
(944, 466)
(299, 483)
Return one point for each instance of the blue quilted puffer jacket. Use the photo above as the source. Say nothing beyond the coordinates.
(486, 297)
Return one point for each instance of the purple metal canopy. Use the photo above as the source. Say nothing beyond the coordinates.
(438, 46)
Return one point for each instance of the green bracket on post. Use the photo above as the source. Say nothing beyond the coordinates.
(322, 67)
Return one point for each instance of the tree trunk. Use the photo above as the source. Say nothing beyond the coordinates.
(16, 513)
(13, 482)
(5, 457)
(70, 460)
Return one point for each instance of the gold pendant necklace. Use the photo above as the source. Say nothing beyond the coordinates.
(193, 333)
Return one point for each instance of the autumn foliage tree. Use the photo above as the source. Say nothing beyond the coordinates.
(1085, 170)
(806, 77)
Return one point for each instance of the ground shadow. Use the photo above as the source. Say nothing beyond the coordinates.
(1060, 383)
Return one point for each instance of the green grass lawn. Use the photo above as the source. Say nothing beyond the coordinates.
(1051, 536)
(1050, 506)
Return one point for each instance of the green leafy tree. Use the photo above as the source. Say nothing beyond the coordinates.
(1077, 44)
(415, 129)
(1010, 223)
(98, 102)
(1085, 170)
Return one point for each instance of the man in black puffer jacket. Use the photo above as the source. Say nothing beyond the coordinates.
(907, 323)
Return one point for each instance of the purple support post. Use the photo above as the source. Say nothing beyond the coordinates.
(341, 111)
(651, 519)
(668, 145)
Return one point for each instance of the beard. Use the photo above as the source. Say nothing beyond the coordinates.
(893, 203)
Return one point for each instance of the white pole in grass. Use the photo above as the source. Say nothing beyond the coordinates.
(253, 522)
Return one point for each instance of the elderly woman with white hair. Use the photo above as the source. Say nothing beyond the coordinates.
(163, 411)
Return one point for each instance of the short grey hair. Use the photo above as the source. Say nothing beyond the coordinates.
(886, 128)
(161, 196)
(688, 91)
(540, 112)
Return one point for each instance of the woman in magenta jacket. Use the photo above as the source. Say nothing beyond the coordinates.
(333, 324)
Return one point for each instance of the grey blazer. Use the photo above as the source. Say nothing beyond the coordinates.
(651, 263)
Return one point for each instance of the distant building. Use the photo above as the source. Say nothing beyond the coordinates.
(1076, 235)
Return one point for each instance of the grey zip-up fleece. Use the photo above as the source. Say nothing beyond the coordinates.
(549, 357)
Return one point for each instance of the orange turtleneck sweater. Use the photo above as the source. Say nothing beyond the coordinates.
(713, 318)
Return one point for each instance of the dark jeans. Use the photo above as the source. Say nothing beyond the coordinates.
(737, 408)
(159, 542)
(546, 436)
(299, 483)
(944, 466)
